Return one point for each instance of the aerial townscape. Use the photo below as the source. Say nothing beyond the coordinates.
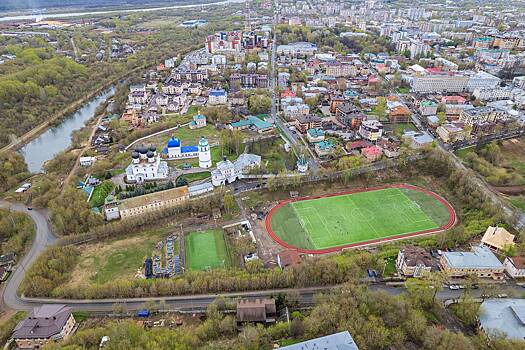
(262, 174)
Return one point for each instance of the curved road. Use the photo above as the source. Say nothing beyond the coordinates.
(43, 238)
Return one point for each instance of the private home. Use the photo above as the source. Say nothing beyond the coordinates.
(315, 135)
(256, 311)
(397, 111)
(151, 202)
(515, 266)
(503, 317)
(324, 148)
(44, 324)
(111, 211)
(199, 121)
(337, 341)
(372, 153)
(481, 261)
(450, 133)
(428, 108)
(87, 161)
(413, 261)
(497, 238)
(288, 258)
(390, 146)
(349, 115)
(417, 139)
(371, 130)
(306, 122)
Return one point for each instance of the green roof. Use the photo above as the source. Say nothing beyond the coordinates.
(251, 120)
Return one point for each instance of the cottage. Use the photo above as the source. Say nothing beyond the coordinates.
(315, 135)
(44, 324)
(372, 153)
(515, 266)
(288, 258)
(413, 261)
(497, 238)
(256, 311)
(324, 148)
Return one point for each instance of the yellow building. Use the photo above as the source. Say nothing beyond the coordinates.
(497, 238)
(154, 201)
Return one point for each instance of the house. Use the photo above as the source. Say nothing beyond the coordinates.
(418, 139)
(44, 324)
(324, 148)
(390, 146)
(256, 311)
(307, 122)
(497, 238)
(315, 135)
(140, 205)
(217, 97)
(428, 108)
(199, 121)
(450, 133)
(111, 210)
(503, 317)
(349, 115)
(372, 153)
(413, 261)
(87, 161)
(515, 266)
(337, 341)
(288, 258)
(7, 259)
(371, 130)
(481, 261)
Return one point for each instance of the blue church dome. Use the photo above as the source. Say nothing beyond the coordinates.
(173, 142)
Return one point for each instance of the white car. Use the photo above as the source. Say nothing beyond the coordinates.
(453, 287)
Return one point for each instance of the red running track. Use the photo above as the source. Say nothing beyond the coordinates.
(451, 221)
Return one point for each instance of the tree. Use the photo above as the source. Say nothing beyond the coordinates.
(181, 181)
(229, 203)
(349, 162)
(258, 104)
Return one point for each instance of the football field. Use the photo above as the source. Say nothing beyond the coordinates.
(346, 219)
(206, 250)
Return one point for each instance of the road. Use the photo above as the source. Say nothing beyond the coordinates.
(43, 238)
(292, 137)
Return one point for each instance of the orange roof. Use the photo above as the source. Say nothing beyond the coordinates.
(399, 111)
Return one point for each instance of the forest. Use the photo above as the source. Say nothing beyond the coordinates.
(376, 320)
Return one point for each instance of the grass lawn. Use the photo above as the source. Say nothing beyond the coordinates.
(115, 259)
(336, 221)
(206, 250)
(100, 193)
(399, 128)
(216, 156)
(187, 136)
(390, 266)
(463, 152)
(196, 176)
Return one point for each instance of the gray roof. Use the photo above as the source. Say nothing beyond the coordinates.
(480, 257)
(337, 341)
(44, 321)
(503, 316)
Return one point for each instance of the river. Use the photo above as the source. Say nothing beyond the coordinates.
(58, 138)
(39, 17)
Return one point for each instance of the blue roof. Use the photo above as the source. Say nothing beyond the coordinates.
(199, 116)
(217, 92)
(316, 132)
(480, 257)
(174, 142)
(188, 149)
(337, 341)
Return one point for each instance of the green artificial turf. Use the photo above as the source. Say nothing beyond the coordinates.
(335, 221)
(206, 250)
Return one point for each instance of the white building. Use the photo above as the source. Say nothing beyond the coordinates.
(371, 130)
(228, 172)
(217, 97)
(87, 161)
(488, 94)
(204, 154)
(482, 80)
(146, 166)
(515, 266)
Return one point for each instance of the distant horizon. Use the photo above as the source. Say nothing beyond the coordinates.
(39, 5)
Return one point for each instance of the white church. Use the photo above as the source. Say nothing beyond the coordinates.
(146, 165)
(175, 150)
